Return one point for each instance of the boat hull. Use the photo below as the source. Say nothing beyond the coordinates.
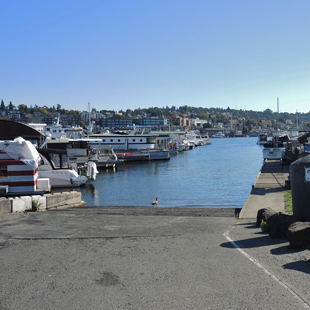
(273, 153)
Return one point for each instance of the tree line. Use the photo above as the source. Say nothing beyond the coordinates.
(251, 118)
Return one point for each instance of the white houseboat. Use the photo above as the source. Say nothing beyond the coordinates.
(145, 146)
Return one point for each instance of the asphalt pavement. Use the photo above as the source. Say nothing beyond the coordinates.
(96, 258)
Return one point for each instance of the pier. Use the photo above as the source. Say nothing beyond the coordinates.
(267, 190)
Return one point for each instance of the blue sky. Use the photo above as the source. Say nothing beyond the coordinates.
(129, 54)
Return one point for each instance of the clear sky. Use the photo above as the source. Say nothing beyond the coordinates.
(128, 54)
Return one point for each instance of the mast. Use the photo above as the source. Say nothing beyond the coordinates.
(278, 113)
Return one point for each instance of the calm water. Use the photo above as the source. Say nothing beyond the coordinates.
(219, 175)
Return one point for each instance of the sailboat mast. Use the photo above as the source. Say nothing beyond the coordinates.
(278, 113)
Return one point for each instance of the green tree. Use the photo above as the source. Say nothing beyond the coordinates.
(2, 106)
(207, 125)
(11, 106)
(22, 108)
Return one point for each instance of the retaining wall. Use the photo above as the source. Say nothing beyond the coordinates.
(44, 202)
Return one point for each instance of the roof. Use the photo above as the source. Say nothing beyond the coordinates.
(9, 130)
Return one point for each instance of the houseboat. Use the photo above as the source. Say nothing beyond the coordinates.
(80, 151)
(140, 145)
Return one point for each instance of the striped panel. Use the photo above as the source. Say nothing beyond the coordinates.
(14, 170)
(21, 178)
(4, 156)
(18, 183)
(12, 162)
(21, 189)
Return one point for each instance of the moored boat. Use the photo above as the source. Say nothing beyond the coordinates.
(55, 166)
(218, 135)
(262, 138)
(80, 151)
(19, 161)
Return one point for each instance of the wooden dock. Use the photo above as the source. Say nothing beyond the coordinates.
(272, 175)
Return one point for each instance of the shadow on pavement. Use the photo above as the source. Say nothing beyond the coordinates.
(254, 242)
(302, 266)
(264, 191)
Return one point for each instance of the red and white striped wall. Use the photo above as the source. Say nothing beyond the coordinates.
(17, 175)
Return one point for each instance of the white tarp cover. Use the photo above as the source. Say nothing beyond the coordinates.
(23, 150)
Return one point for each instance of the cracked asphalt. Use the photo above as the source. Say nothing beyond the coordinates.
(145, 258)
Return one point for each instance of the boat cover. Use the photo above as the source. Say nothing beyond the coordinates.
(23, 150)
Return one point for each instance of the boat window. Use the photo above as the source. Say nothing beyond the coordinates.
(64, 161)
(133, 140)
(60, 160)
(55, 159)
(3, 171)
(141, 140)
(119, 140)
(111, 140)
(103, 140)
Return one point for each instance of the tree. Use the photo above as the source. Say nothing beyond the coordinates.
(11, 107)
(22, 108)
(207, 125)
(203, 116)
(43, 111)
(2, 106)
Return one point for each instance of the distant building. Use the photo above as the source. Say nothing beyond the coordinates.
(115, 122)
(152, 122)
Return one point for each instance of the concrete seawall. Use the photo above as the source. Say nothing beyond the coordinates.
(44, 202)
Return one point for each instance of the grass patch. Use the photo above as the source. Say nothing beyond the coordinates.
(264, 226)
(35, 206)
(288, 201)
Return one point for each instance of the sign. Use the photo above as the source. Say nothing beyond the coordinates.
(307, 147)
(307, 174)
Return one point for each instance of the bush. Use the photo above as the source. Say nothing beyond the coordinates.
(35, 206)
(264, 226)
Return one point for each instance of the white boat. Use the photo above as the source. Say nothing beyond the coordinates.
(275, 148)
(19, 161)
(262, 138)
(58, 131)
(206, 139)
(134, 144)
(80, 152)
(218, 135)
(123, 142)
(273, 152)
(55, 166)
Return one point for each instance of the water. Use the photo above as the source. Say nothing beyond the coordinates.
(219, 175)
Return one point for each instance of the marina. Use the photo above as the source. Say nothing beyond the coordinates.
(147, 167)
(219, 175)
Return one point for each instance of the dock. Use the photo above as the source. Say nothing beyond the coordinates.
(267, 190)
